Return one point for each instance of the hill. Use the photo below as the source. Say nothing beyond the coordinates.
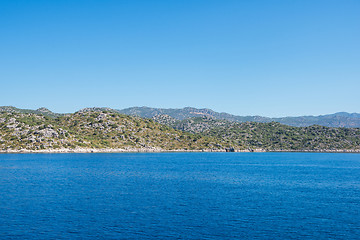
(277, 137)
(271, 136)
(94, 129)
(341, 119)
(102, 129)
(192, 125)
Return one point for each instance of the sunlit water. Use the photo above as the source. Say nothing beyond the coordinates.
(180, 196)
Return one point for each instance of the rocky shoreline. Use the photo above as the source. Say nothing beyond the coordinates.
(158, 150)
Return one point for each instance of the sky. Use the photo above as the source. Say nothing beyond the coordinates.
(246, 57)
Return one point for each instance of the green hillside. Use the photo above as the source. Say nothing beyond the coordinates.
(275, 136)
(93, 129)
(340, 119)
(99, 128)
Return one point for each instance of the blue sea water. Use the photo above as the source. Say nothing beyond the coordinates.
(180, 196)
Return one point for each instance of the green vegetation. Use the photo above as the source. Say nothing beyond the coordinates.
(275, 137)
(108, 129)
(341, 119)
(271, 136)
(93, 129)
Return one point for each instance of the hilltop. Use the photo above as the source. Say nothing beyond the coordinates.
(41, 111)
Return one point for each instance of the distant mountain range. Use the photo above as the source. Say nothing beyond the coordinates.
(340, 119)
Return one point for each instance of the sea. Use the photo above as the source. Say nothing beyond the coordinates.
(180, 196)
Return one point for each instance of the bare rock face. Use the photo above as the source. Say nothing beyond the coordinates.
(101, 116)
(11, 123)
(43, 110)
(31, 138)
(49, 133)
(164, 119)
(12, 120)
(200, 124)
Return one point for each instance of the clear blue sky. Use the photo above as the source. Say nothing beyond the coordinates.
(250, 57)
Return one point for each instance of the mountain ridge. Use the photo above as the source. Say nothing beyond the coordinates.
(339, 119)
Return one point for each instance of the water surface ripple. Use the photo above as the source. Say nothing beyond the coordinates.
(180, 196)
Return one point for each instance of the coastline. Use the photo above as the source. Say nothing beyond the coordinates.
(159, 150)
